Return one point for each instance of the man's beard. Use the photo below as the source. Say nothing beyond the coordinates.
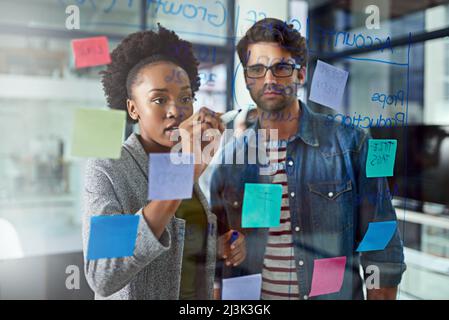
(278, 104)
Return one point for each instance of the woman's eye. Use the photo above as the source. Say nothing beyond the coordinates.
(187, 100)
(159, 100)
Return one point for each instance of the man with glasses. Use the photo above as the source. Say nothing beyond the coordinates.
(321, 168)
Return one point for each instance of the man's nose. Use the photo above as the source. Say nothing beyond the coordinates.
(269, 77)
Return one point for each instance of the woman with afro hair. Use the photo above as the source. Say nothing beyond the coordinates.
(176, 247)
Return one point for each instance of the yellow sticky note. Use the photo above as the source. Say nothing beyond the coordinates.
(98, 133)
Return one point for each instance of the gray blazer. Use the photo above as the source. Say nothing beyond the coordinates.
(154, 271)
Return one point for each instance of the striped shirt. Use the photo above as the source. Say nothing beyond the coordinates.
(279, 279)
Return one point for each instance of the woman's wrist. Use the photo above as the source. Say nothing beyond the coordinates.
(158, 214)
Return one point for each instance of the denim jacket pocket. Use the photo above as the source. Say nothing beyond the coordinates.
(331, 206)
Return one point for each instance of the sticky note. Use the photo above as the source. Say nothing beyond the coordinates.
(98, 133)
(381, 157)
(171, 176)
(112, 236)
(90, 52)
(242, 288)
(327, 276)
(377, 236)
(328, 85)
(261, 205)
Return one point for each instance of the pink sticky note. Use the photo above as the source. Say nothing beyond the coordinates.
(91, 52)
(327, 276)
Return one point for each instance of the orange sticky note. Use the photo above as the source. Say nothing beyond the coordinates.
(90, 52)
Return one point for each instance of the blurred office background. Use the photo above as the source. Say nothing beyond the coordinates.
(41, 185)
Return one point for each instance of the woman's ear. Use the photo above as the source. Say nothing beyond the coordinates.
(132, 109)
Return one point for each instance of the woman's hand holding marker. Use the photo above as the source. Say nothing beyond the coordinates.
(192, 135)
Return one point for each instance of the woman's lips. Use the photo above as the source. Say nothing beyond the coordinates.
(171, 131)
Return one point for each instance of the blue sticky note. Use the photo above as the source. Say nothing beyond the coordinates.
(261, 205)
(112, 236)
(242, 288)
(377, 236)
(171, 176)
(381, 157)
(328, 85)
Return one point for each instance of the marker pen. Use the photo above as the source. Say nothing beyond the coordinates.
(234, 236)
(229, 116)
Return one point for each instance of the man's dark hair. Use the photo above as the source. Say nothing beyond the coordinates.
(277, 31)
(138, 50)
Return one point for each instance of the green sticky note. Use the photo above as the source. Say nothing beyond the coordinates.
(261, 205)
(381, 156)
(98, 133)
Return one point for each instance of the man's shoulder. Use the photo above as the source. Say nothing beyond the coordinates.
(331, 132)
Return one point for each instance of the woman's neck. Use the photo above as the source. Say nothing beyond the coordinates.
(151, 146)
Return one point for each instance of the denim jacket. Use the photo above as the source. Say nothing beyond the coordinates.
(331, 205)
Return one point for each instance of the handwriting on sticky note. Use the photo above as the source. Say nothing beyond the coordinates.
(112, 236)
(327, 276)
(377, 236)
(381, 158)
(90, 52)
(169, 180)
(98, 133)
(328, 85)
(261, 205)
(242, 288)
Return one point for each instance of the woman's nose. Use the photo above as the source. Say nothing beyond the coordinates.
(173, 111)
(178, 112)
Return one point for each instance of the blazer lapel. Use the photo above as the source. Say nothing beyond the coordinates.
(135, 149)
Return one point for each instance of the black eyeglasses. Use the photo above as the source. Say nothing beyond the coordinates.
(280, 70)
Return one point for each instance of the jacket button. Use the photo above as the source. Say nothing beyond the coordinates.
(292, 194)
(301, 262)
(330, 194)
(290, 163)
(297, 229)
(306, 297)
(235, 204)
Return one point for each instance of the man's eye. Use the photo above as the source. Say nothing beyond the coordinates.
(283, 67)
(257, 69)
